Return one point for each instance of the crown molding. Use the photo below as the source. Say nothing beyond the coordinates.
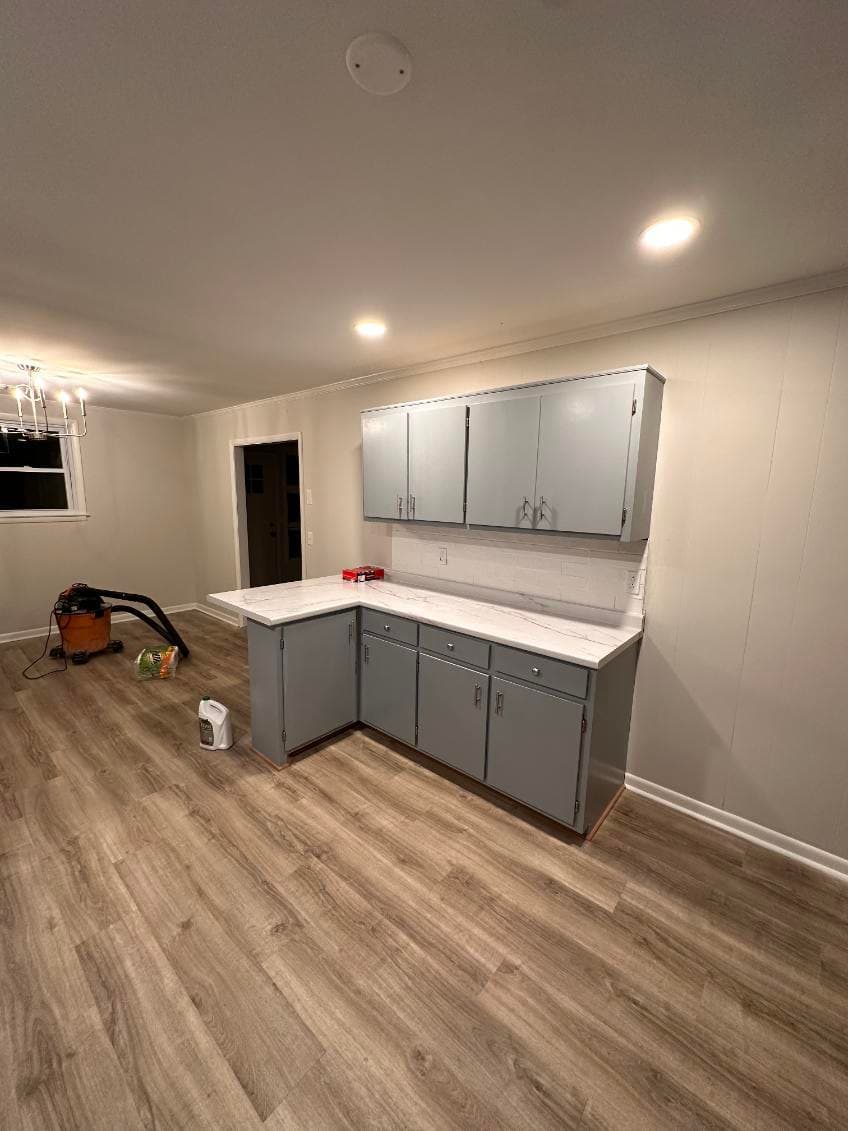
(779, 292)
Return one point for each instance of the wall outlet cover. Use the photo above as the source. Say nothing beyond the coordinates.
(310, 538)
(634, 582)
(309, 496)
(443, 555)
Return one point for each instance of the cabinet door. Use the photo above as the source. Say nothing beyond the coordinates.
(503, 439)
(534, 747)
(384, 465)
(387, 688)
(584, 438)
(452, 703)
(437, 464)
(319, 677)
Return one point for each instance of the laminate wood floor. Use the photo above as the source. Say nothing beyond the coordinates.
(190, 940)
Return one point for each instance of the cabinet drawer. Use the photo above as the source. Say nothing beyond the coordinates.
(393, 628)
(455, 646)
(555, 674)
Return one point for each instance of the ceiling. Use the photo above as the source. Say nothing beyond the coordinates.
(197, 201)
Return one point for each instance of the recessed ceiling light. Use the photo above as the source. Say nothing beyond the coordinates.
(668, 234)
(370, 328)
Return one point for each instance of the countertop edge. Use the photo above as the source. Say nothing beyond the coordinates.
(371, 602)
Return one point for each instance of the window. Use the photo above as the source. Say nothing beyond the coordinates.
(39, 478)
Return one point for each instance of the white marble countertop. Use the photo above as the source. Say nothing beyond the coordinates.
(521, 622)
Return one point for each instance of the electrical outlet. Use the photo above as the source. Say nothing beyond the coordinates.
(443, 555)
(309, 496)
(310, 538)
(634, 582)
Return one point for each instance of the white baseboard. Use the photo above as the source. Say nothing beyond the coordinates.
(218, 614)
(191, 607)
(739, 826)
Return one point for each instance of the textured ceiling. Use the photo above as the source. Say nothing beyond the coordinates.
(198, 201)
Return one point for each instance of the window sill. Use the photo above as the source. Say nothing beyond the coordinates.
(44, 516)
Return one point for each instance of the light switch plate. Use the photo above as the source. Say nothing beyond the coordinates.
(310, 539)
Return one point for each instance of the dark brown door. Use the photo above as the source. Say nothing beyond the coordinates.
(272, 497)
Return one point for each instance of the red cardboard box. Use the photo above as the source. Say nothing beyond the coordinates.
(363, 573)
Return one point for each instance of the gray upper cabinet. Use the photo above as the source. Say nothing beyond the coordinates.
(388, 687)
(576, 455)
(584, 437)
(452, 704)
(437, 464)
(534, 747)
(503, 438)
(384, 465)
(319, 677)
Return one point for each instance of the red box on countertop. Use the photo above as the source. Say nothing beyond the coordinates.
(363, 573)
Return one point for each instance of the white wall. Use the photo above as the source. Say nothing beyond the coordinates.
(742, 675)
(139, 535)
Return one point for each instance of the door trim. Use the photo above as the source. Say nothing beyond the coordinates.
(240, 507)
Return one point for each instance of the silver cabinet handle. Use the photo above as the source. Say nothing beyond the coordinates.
(412, 506)
(387, 628)
(524, 507)
(366, 654)
(349, 633)
(536, 671)
(478, 694)
(499, 703)
(450, 647)
(400, 506)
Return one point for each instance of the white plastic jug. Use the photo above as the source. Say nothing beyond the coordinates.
(216, 728)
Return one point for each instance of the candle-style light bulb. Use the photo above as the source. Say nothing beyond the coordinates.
(17, 394)
(81, 395)
(63, 399)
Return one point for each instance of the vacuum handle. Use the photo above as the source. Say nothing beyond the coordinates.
(162, 624)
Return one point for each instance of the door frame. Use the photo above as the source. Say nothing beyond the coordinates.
(240, 505)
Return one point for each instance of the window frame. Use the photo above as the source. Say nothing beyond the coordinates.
(69, 446)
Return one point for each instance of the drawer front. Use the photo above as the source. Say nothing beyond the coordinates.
(393, 628)
(467, 649)
(555, 674)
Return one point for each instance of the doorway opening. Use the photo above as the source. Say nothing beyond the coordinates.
(267, 487)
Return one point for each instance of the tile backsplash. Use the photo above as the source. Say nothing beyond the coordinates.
(563, 567)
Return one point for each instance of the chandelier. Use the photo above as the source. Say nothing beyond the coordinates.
(30, 395)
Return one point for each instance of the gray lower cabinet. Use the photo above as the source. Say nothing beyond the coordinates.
(388, 687)
(452, 704)
(534, 747)
(319, 677)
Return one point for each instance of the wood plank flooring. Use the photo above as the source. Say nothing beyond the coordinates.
(190, 940)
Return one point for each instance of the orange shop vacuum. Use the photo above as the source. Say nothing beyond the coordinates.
(84, 621)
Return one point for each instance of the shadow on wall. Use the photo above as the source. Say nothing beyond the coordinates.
(673, 742)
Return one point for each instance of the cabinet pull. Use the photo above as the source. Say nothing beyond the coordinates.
(349, 633)
(478, 694)
(387, 628)
(412, 506)
(450, 647)
(524, 507)
(536, 671)
(541, 507)
(499, 703)
(365, 656)
(400, 506)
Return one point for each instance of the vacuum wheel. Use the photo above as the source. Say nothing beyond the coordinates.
(115, 646)
(80, 657)
(58, 653)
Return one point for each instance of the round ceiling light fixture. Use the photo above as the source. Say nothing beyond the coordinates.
(379, 63)
(666, 235)
(370, 328)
